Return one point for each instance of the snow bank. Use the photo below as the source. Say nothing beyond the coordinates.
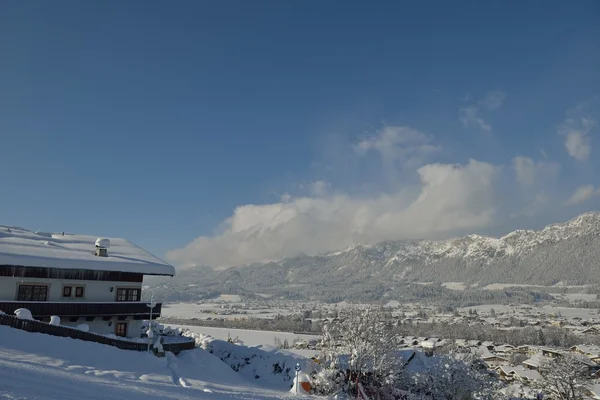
(35, 365)
(270, 366)
(55, 320)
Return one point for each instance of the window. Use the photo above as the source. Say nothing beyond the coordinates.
(128, 294)
(32, 293)
(121, 329)
(67, 291)
(79, 291)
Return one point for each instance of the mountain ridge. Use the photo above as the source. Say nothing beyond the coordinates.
(567, 252)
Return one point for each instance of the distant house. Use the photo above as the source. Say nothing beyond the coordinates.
(493, 360)
(526, 349)
(592, 330)
(591, 352)
(535, 361)
(81, 279)
(551, 353)
(518, 373)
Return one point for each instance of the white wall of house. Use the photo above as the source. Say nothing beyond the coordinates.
(98, 325)
(94, 291)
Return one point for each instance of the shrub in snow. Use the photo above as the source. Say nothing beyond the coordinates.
(266, 364)
(55, 320)
(83, 327)
(327, 382)
(23, 313)
(160, 329)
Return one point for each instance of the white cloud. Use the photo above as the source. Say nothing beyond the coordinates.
(493, 100)
(578, 145)
(528, 171)
(576, 131)
(449, 198)
(285, 198)
(583, 194)
(470, 116)
(319, 188)
(535, 207)
(399, 144)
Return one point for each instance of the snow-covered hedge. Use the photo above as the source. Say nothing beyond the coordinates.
(272, 366)
(161, 330)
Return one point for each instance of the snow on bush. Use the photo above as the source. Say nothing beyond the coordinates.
(364, 343)
(83, 327)
(361, 352)
(2, 312)
(160, 329)
(55, 320)
(565, 377)
(327, 382)
(23, 313)
(266, 363)
(158, 347)
(447, 377)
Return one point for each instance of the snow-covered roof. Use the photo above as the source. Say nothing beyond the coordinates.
(53, 250)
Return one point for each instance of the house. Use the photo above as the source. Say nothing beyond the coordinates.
(526, 349)
(589, 351)
(535, 361)
(551, 353)
(493, 360)
(82, 279)
(518, 373)
(504, 349)
(592, 330)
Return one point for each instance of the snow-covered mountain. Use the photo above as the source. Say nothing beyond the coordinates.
(566, 253)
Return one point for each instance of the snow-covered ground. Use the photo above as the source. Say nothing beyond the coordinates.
(38, 366)
(567, 312)
(223, 307)
(249, 337)
(454, 285)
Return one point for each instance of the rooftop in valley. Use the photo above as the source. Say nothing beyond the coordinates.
(20, 247)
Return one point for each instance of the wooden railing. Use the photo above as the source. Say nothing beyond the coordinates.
(64, 331)
(44, 309)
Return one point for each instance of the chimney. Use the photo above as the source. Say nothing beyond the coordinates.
(102, 247)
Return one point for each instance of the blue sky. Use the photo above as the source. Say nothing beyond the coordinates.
(229, 132)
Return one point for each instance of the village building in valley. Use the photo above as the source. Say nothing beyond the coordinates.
(81, 279)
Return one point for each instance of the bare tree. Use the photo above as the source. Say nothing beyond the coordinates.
(565, 377)
(449, 378)
(364, 344)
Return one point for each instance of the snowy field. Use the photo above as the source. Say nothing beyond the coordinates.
(226, 307)
(249, 337)
(454, 285)
(566, 312)
(37, 366)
